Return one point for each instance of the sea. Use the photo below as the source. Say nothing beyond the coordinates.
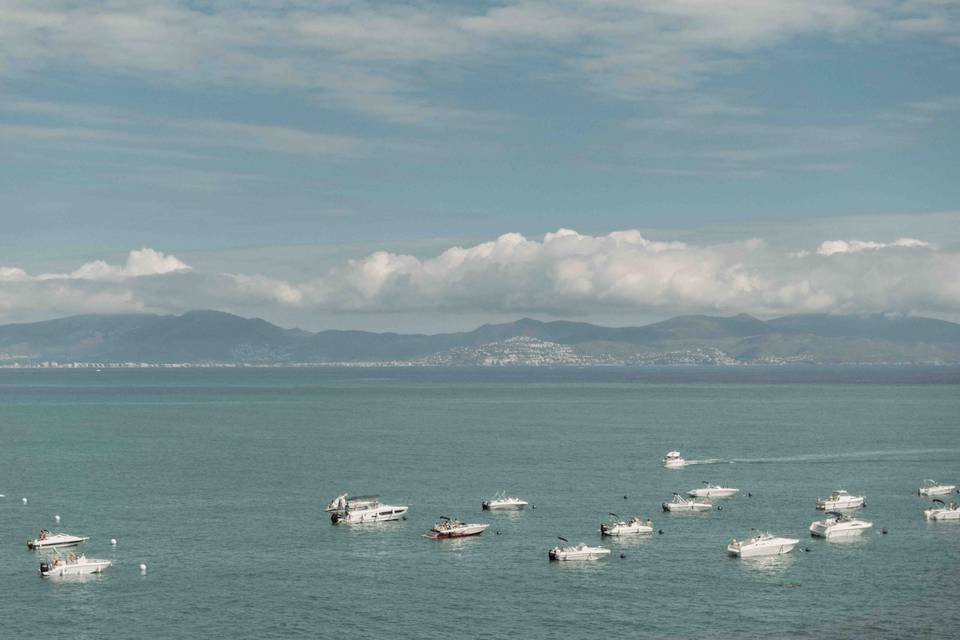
(216, 480)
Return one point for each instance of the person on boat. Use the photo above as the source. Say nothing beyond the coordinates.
(43, 534)
(72, 557)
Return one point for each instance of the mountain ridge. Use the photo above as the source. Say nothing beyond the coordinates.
(216, 337)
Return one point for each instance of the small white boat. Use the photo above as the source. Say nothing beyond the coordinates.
(679, 503)
(617, 527)
(580, 551)
(450, 528)
(838, 525)
(934, 488)
(503, 501)
(47, 540)
(712, 491)
(673, 460)
(762, 544)
(72, 565)
(838, 500)
(943, 512)
(363, 509)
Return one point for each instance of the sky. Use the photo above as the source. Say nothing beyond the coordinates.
(424, 166)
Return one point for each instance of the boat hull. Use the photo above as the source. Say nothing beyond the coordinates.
(712, 493)
(593, 554)
(942, 514)
(502, 506)
(55, 542)
(780, 547)
(939, 490)
(383, 514)
(79, 569)
(828, 532)
(460, 532)
(672, 506)
(840, 505)
(625, 530)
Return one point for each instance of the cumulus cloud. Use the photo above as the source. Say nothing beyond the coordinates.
(563, 273)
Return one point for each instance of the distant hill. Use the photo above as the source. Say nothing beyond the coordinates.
(213, 337)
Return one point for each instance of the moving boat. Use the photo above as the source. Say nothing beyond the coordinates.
(47, 540)
(361, 509)
(840, 499)
(838, 525)
(503, 501)
(679, 503)
(580, 551)
(673, 460)
(943, 512)
(72, 565)
(450, 528)
(712, 491)
(762, 544)
(617, 527)
(934, 488)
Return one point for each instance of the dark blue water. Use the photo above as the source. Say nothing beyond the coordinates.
(216, 479)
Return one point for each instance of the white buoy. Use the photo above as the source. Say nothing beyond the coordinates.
(23, 500)
(56, 519)
(113, 541)
(143, 568)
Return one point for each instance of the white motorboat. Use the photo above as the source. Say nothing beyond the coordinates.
(838, 525)
(451, 528)
(617, 527)
(712, 491)
(72, 565)
(580, 551)
(762, 544)
(934, 488)
(47, 540)
(943, 512)
(673, 460)
(838, 500)
(363, 509)
(503, 501)
(679, 503)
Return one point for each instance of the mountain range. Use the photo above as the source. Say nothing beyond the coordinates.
(213, 337)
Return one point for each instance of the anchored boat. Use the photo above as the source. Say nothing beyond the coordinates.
(762, 544)
(502, 501)
(679, 503)
(943, 512)
(580, 551)
(72, 565)
(617, 527)
(838, 525)
(840, 499)
(451, 528)
(47, 540)
(363, 509)
(934, 488)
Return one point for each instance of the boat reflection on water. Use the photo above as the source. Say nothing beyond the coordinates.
(770, 565)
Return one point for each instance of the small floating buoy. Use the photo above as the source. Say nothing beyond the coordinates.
(624, 497)
(403, 518)
(56, 519)
(498, 533)
(807, 549)
(533, 506)
(749, 495)
(143, 568)
(660, 532)
(23, 500)
(719, 507)
(883, 531)
(623, 555)
(113, 542)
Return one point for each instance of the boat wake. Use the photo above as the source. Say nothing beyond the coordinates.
(846, 456)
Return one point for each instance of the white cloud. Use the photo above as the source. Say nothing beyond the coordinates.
(563, 273)
(832, 247)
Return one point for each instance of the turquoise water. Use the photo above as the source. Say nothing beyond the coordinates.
(216, 479)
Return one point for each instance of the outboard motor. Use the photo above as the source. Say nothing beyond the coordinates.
(335, 517)
(44, 567)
